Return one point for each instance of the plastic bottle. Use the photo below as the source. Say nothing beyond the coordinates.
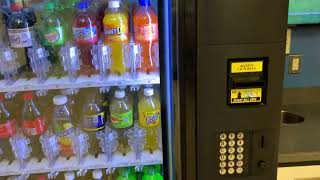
(97, 174)
(62, 125)
(121, 113)
(116, 35)
(145, 23)
(92, 121)
(126, 173)
(8, 128)
(69, 175)
(152, 172)
(53, 35)
(150, 118)
(86, 34)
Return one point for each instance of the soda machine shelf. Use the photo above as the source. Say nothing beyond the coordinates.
(81, 82)
(72, 164)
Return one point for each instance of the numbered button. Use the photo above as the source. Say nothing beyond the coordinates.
(223, 157)
(232, 136)
(240, 142)
(231, 170)
(223, 136)
(223, 164)
(232, 143)
(240, 150)
(223, 171)
(240, 163)
(240, 135)
(232, 150)
(239, 156)
(231, 163)
(239, 170)
(223, 150)
(223, 143)
(231, 157)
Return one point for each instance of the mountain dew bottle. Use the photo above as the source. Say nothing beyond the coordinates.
(152, 172)
(126, 173)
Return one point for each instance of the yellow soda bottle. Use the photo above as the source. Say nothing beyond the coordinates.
(150, 117)
(116, 35)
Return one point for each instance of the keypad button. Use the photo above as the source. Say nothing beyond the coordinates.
(223, 150)
(232, 143)
(231, 163)
(240, 163)
(223, 143)
(223, 164)
(239, 156)
(240, 142)
(240, 149)
(232, 150)
(223, 157)
(240, 135)
(231, 157)
(223, 171)
(223, 136)
(231, 170)
(232, 136)
(239, 170)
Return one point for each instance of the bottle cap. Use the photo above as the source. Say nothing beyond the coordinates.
(16, 6)
(60, 100)
(97, 174)
(148, 91)
(114, 4)
(119, 94)
(27, 95)
(83, 5)
(49, 6)
(145, 2)
(69, 176)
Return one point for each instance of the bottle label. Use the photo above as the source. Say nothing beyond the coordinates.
(123, 120)
(64, 133)
(93, 123)
(150, 119)
(85, 35)
(146, 32)
(116, 31)
(8, 129)
(54, 36)
(20, 38)
(34, 127)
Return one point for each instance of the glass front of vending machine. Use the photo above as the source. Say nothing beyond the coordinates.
(86, 89)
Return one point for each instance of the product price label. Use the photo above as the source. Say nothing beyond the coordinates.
(54, 36)
(8, 129)
(85, 35)
(146, 32)
(34, 127)
(93, 123)
(20, 38)
(123, 120)
(150, 119)
(116, 31)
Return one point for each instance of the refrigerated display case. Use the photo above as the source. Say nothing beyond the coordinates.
(86, 89)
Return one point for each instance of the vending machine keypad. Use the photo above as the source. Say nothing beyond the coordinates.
(233, 150)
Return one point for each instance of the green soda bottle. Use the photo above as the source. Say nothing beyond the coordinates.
(152, 172)
(126, 173)
(53, 35)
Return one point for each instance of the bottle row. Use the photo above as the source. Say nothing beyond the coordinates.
(88, 123)
(103, 39)
(151, 172)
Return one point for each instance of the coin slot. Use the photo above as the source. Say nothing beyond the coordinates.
(262, 142)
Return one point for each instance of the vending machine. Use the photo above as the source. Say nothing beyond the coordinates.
(86, 89)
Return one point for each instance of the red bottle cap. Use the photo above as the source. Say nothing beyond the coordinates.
(27, 95)
(1, 97)
(16, 6)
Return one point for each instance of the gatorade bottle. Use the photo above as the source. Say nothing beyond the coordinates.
(86, 34)
(125, 173)
(33, 124)
(53, 35)
(121, 113)
(62, 125)
(152, 172)
(116, 35)
(8, 128)
(92, 121)
(150, 118)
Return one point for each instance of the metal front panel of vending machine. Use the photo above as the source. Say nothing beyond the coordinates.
(239, 70)
(86, 89)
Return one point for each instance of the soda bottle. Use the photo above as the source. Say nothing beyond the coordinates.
(20, 32)
(62, 125)
(121, 113)
(152, 172)
(150, 118)
(8, 128)
(86, 34)
(52, 35)
(116, 35)
(66, 9)
(145, 24)
(126, 173)
(92, 121)
(33, 124)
